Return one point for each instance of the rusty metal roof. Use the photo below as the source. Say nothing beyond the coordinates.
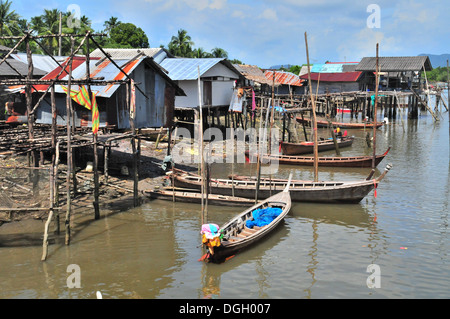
(334, 77)
(283, 77)
(252, 73)
(102, 70)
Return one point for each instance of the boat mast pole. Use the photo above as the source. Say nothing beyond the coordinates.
(377, 81)
(202, 164)
(316, 152)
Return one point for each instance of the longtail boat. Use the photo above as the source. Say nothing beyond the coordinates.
(342, 125)
(331, 161)
(238, 233)
(308, 147)
(301, 191)
(196, 198)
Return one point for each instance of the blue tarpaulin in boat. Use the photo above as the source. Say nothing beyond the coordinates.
(263, 217)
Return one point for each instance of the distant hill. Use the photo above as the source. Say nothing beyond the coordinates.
(438, 60)
(277, 67)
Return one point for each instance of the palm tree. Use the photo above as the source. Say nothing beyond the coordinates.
(181, 44)
(200, 53)
(8, 20)
(219, 53)
(111, 23)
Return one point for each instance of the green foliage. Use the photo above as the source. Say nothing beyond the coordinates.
(127, 35)
(438, 74)
(120, 35)
(9, 21)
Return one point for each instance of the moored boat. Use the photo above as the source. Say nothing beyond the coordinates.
(243, 230)
(342, 125)
(301, 191)
(331, 161)
(196, 198)
(308, 147)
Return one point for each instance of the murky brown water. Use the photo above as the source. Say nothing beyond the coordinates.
(320, 251)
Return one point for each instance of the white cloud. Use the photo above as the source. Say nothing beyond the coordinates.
(363, 44)
(269, 14)
(238, 14)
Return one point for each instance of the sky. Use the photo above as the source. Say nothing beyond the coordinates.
(268, 32)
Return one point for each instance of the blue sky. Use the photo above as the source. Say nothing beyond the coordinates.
(266, 33)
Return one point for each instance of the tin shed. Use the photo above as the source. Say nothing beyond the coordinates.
(155, 109)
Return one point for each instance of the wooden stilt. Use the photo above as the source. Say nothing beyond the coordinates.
(69, 149)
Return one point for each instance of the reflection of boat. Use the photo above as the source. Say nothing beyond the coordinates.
(336, 161)
(346, 110)
(308, 147)
(301, 191)
(340, 124)
(192, 197)
(235, 235)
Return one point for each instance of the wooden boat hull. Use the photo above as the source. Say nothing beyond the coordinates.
(301, 191)
(237, 238)
(341, 125)
(349, 161)
(308, 147)
(196, 198)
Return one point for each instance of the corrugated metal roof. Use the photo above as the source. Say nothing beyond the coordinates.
(158, 54)
(395, 64)
(6, 70)
(42, 62)
(5, 49)
(282, 77)
(330, 67)
(181, 69)
(334, 77)
(252, 72)
(104, 70)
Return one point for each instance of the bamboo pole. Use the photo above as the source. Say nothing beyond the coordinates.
(377, 79)
(202, 163)
(95, 137)
(69, 148)
(448, 90)
(316, 155)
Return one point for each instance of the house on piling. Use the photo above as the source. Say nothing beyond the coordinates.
(334, 77)
(11, 105)
(218, 82)
(154, 95)
(285, 83)
(396, 73)
(254, 77)
(218, 78)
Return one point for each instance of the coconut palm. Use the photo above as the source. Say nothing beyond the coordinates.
(8, 20)
(181, 44)
(111, 23)
(200, 53)
(219, 53)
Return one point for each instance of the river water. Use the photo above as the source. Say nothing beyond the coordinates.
(320, 251)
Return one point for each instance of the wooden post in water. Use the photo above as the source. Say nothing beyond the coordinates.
(202, 163)
(448, 91)
(55, 157)
(377, 79)
(69, 147)
(316, 156)
(95, 137)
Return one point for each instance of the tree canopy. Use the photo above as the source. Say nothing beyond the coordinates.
(119, 34)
